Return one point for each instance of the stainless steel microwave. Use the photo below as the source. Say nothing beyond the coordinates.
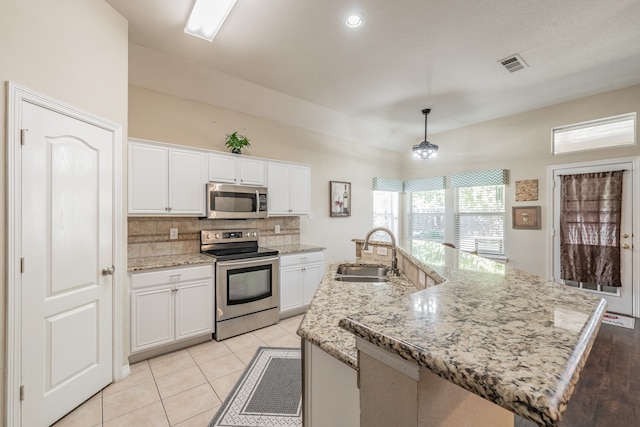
(226, 201)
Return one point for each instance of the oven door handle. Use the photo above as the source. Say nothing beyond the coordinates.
(249, 261)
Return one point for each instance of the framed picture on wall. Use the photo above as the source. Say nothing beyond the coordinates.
(339, 198)
(526, 217)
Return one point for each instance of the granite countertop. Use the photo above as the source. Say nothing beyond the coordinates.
(334, 300)
(167, 261)
(506, 335)
(296, 248)
(153, 262)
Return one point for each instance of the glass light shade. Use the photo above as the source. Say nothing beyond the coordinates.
(425, 150)
(207, 18)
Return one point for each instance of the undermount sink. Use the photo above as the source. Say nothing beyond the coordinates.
(361, 273)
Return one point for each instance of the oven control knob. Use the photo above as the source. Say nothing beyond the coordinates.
(208, 236)
(217, 235)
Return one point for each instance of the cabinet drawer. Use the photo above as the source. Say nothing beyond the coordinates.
(139, 280)
(301, 258)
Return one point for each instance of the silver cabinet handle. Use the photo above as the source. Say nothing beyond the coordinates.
(625, 246)
(108, 271)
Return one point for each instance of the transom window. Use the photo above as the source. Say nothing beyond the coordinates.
(609, 132)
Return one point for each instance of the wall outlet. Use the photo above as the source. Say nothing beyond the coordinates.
(369, 250)
(310, 215)
(277, 229)
(173, 233)
(381, 250)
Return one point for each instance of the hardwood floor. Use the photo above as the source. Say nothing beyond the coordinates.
(608, 391)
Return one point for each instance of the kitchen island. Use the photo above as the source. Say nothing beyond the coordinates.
(507, 336)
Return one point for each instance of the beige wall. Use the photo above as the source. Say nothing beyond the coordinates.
(522, 144)
(161, 117)
(71, 50)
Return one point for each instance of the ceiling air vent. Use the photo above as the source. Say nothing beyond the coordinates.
(513, 63)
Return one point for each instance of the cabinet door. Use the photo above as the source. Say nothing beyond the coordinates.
(251, 172)
(290, 288)
(299, 189)
(222, 169)
(278, 182)
(186, 182)
(311, 277)
(194, 309)
(152, 314)
(148, 177)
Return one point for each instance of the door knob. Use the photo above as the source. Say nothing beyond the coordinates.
(108, 271)
(625, 246)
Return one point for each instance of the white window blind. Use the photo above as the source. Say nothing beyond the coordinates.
(385, 213)
(427, 215)
(602, 133)
(480, 218)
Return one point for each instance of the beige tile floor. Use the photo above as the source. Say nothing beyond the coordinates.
(184, 388)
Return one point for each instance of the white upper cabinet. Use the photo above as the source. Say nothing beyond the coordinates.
(234, 169)
(288, 189)
(166, 181)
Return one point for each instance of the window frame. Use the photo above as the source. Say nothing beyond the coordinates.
(457, 215)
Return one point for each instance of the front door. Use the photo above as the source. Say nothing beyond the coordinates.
(619, 299)
(67, 241)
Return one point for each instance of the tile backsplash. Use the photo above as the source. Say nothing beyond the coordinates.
(149, 236)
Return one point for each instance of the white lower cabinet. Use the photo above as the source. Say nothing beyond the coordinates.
(171, 305)
(330, 390)
(300, 275)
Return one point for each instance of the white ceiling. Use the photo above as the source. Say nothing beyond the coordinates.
(296, 62)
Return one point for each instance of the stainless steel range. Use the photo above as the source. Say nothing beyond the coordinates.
(247, 281)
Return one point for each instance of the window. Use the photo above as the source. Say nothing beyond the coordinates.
(385, 206)
(479, 212)
(427, 215)
(385, 213)
(609, 132)
(480, 218)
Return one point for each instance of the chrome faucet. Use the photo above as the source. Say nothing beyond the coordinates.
(394, 260)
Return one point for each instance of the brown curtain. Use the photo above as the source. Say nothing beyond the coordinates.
(591, 206)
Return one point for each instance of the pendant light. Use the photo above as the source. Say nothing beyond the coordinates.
(425, 150)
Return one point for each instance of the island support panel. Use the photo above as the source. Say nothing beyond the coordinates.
(394, 391)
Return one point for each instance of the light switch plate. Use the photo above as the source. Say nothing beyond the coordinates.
(421, 278)
(382, 250)
(277, 229)
(173, 233)
(369, 250)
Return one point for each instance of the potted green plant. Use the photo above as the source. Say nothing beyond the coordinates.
(236, 142)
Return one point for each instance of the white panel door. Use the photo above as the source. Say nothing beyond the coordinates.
(152, 314)
(278, 182)
(67, 238)
(148, 177)
(290, 288)
(222, 169)
(194, 309)
(186, 182)
(299, 189)
(251, 172)
(312, 277)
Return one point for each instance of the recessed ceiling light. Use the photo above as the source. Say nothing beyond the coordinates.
(354, 20)
(207, 17)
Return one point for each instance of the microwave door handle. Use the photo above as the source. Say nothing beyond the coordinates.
(257, 203)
